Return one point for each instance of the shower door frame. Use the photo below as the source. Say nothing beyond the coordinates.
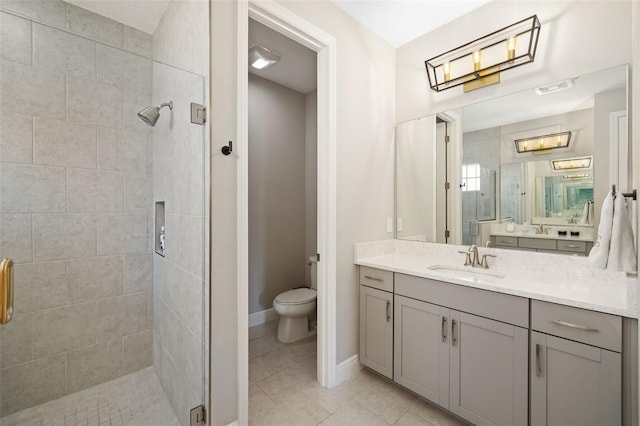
(300, 30)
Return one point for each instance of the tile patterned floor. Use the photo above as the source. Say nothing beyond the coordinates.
(283, 391)
(136, 399)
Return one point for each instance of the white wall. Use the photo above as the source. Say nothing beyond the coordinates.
(576, 37)
(365, 119)
(277, 255)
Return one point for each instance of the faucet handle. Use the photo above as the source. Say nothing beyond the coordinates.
(467, 261)
(484, 263)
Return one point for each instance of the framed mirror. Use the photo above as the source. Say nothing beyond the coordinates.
(534, 165)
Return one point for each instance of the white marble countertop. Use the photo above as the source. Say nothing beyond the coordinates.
(552, 235)
(567, 280)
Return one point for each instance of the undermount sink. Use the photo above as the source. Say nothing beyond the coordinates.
(466, 273)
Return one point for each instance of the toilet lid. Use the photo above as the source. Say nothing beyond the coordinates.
(297, 295)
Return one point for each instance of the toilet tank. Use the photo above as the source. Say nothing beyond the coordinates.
(313, 261)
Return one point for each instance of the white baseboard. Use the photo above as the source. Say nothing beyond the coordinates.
(347, 368)
(262, 317)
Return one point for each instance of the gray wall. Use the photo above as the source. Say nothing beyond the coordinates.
(278, 143)
(310, 176)
(179, 174)
(76, 200)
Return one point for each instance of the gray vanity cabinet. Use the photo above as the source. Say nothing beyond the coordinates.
(575, 366)
(376, 330)
(421, 342)
(488, 372)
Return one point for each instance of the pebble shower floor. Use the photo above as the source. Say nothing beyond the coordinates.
(136, 399)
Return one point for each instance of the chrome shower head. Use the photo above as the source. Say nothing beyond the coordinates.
(151, 114)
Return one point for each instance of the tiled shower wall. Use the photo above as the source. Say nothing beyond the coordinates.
(75, 200)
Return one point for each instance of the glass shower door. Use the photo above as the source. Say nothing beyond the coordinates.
(478, 200)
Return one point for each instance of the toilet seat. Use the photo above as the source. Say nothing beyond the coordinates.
(296, 296)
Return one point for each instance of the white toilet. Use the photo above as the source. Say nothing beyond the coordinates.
(294, 307)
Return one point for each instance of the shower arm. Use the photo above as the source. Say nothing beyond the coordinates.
(169, 104)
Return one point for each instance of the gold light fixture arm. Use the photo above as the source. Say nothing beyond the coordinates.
(6, 290)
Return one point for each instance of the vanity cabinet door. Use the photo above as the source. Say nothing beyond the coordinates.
(488, 370)
(376, 330)
(421, 358)
(573, 383)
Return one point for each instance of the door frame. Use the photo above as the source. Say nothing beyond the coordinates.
(282, 20)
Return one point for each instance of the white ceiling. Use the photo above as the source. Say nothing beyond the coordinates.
(400, 21)
(141, 14)
(297, 66)
(526, 105)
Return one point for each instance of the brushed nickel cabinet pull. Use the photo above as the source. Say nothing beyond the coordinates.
(572, 246)
(373, 278)
(388, 310)
(538, 363)
(6, 290)
(444, 329)
(572, 325)
(454, 339)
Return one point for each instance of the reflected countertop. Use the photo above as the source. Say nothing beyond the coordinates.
(566, 280)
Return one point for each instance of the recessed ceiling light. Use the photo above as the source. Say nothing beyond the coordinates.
(261, 57)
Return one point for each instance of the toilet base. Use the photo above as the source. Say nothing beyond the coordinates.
(292, 329)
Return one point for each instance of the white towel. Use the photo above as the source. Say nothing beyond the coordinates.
(587, 215)
(622, 251)
(600, 251)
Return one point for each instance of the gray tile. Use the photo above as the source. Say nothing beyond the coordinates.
(94, 26)
(40, 286)
(136, 233)
(93, 103)
(94, 278)
(16, 340)
(182, 291)
(50, 12)
(184, 242)
(136, 41)
(15, 237)
(63, 143)
(95, 191)
(111, 236)
(121, 316)
(96, 364)
(138, 192)
(63, 329)
(15, 39)
(354, 414)
(138, 274)
(189, 356)
(110, 150)
(33, 189)
(25, 385)
(123, 69)
(138, 351)
(63, 53)
(27, 90)
(64, 236)
(136, 151)
(16, 138)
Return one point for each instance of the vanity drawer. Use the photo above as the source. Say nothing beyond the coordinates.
(507, 241)
(537, 243)
(576, 246)
(590, 327)
(376, 278)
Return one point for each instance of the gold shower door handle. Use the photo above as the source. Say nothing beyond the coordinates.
(6, 290)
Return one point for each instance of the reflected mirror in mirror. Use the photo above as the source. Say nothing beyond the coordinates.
(549, 192)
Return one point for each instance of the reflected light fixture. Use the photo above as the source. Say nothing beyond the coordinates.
(543, 144)
(572, 163)
(577, 176)
(479, 63)
(261, 57)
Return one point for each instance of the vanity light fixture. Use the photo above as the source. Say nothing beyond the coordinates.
(261, 57)
(479, 63)
(577, 176)
(572, 163)
(543, 144)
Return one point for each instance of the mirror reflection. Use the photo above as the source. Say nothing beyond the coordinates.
(534, 165)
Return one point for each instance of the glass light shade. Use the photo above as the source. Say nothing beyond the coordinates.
(544, 142)
(572, 163)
